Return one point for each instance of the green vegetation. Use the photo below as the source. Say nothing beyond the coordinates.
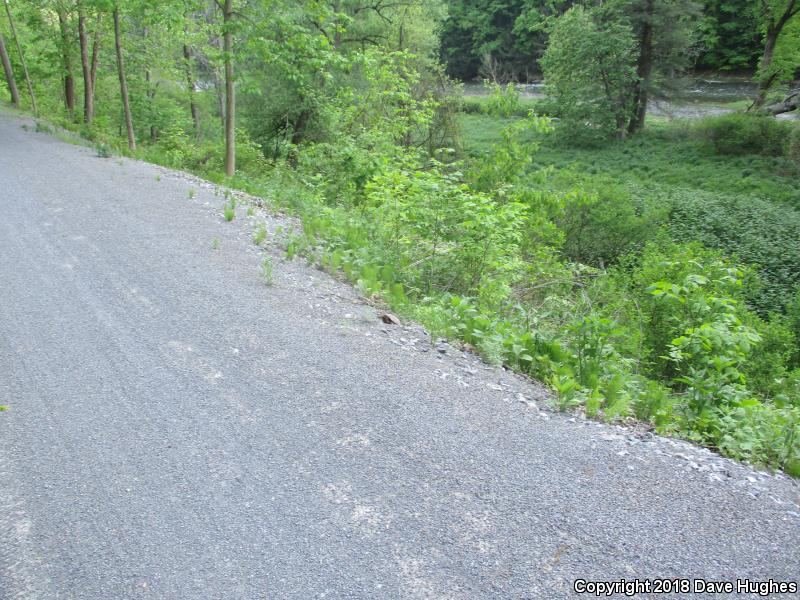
(591, 74)
(104, 151)
(266, 271)
(744, 134)
(259, 235)
(507, 37)
(649, 274)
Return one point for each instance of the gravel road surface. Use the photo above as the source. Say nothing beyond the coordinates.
(178, 429)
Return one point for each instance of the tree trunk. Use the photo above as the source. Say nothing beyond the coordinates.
(12, 85)
(220, 96)
(774, 29)
(230, 101)
(765, 81)
(21, 59)
(88, 92)
(69, 79)
(212, 17)
(299, 126)
(123, 86)
(96, 50)
(788, 104)
(187, 57)
(150, 91)
(644, 69)
(337, 28)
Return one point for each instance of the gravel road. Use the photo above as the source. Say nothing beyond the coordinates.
(178, 429)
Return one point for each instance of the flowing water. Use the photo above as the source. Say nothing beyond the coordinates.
(698, 97)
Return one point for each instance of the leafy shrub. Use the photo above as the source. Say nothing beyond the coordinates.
(793, 323)
(249, 155)
(588, 69)
(473, 105)
(440, 235)
(758, 232)
(602, 221)
(174, 146)
(793, 151)
(758, 432)
(503, 102)
(739, 133)
(768, 371)
(678, 287)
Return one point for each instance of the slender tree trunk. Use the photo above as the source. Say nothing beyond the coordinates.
(766, 80)
(299, 126)
(88, 92)
(220, 97)
(212, 17)
(150, 91)
(337, 30)
(123, 85)
(12, 85)
(215, 72)
(69, 79)
(96, 49)
(187, 57)
(21, 58)
(230, 101)
(644, 69)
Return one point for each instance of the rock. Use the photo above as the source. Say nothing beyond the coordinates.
(390, 319)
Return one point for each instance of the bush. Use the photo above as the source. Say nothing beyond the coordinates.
(793, 151)
(758, 232)
(503, 102)
(739, 133)
(589, 70)
(446, 236)
(602, 221)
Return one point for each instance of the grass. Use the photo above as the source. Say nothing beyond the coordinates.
(266, 270)
(43, 128)
(104, 151)
(480, 104)
(748, 206)
(229, 211)
(665, 156)
(215, 244)
(259, 235)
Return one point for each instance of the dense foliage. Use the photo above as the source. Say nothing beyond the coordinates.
(591, 74)
(512, 35)
(632, 290)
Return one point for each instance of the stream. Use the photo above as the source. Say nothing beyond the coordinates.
(699, 97)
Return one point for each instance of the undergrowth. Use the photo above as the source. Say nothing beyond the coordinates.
(584, 269)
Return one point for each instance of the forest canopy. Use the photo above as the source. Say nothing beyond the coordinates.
(511, 36)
